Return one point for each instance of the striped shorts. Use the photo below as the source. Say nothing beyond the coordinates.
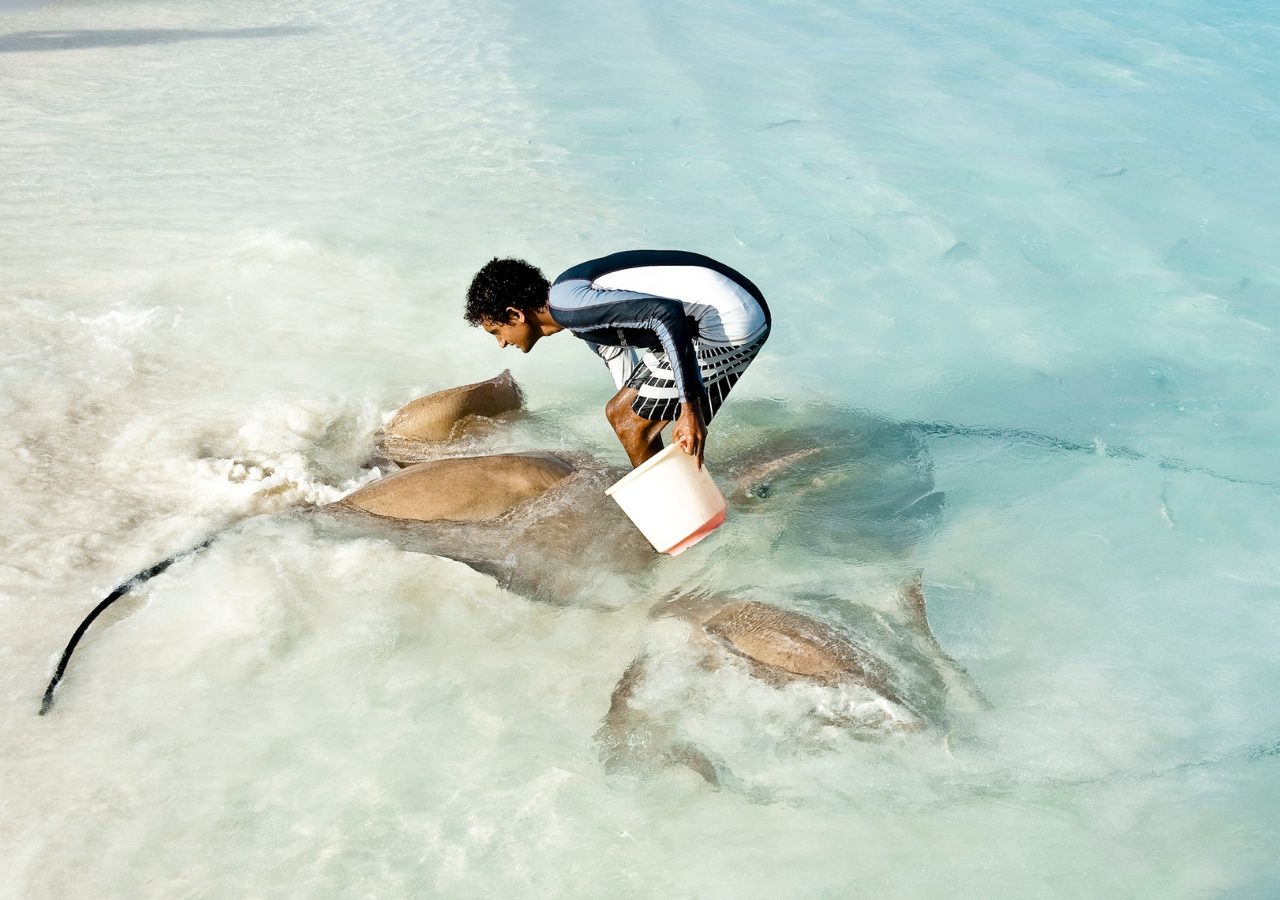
(720, 368)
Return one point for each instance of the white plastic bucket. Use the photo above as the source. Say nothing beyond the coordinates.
(673, 502)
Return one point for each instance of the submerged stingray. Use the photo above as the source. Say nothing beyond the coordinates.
(541, 524)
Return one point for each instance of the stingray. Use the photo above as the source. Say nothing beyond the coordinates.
(845, 487)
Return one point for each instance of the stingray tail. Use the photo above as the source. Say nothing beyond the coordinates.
(124, 588)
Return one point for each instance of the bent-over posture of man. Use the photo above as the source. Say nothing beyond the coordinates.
(676, 330)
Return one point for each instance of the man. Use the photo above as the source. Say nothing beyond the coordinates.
(676, 330)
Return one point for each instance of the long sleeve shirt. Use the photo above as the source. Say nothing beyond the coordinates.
(657, 301)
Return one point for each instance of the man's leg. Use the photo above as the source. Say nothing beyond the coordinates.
(652, 391)
(641, 438)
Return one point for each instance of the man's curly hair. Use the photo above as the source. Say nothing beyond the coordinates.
(501, 284)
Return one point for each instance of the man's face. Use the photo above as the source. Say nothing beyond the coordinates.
(519, 332)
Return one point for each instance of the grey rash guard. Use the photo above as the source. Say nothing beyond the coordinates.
(658, 301)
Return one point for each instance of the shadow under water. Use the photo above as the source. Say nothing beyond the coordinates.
(42, 41)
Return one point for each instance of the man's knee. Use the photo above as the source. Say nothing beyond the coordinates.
(627, 425)
(625, 421)
(618, 410)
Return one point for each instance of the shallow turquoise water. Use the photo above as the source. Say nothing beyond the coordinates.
(1038, 242)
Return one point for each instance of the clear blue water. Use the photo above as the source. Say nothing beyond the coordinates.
(234, 237)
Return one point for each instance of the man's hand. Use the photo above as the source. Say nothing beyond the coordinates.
(690, 432)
